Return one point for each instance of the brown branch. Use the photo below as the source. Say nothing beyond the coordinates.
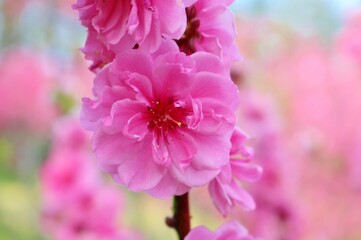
(181, 217)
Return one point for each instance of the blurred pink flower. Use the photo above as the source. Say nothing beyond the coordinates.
(76, 202)
(26, 91)
(229, 231)
(311, 154)
(276, 216)
(211, 29)
(162, 122)
(224, 190)
(116, 25)
(349, 39)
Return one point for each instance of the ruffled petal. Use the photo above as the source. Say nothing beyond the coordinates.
(232, 231)
(206, 63)
(181, 148)
(142, 86)
(172, 17)
(209, 85)
(245, 171)
(136, 128)
(193, 177)
(160, 150)
(199, 232)
(219, 197)
(167, 187)
(133, 61)
(240, 196)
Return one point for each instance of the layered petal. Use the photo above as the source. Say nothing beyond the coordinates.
(115, 26)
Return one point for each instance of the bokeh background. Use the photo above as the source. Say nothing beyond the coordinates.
(300, 84)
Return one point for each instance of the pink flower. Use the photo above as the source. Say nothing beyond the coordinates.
(76, 202)
(229, 231)
(35, 111)
(277, 215)
(162, 122)
(117, 25)
(349, 39)
(211, 29)
(224, 190)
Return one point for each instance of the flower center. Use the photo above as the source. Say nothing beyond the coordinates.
(186, 42)
(165, 115)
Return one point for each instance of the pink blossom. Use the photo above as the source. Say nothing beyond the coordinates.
(211, 29)
(277, 215)
(22, 108)
(229, 231)
(224, 189)
(117, 25)
(76, 202)
(349, 39)
(162, 122)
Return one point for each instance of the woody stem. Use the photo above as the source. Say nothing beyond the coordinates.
(181, 217)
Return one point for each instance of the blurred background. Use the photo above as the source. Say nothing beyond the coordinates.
(300, 84)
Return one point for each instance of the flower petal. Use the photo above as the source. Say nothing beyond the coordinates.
(199, 232)
(160, 151)
(181, 148)
(209, 85)
(208, 63)
(240, 196)
(193, 177)
(219, 197)
(168, 186)
(136, 128)
(212, 151)
(142, 86)
(134, 61)
(245, 171)
(172, 18)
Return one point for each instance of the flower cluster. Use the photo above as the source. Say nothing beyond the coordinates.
(164, 110)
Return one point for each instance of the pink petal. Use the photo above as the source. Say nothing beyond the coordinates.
(139, 172)
(181, 148)
(167, 46)
(198, 233)
(193, 177)
(216, 120)
(208, 63)
(131, 159)
(211, 151)
(172, 18)
(136, 61)
(219, 197)
(152, 40)
(136, 128)
(231, 231)
(196, 117)
(246, 171)
(188, 3)
(209, 85)
(239, 195)
(121, 112)
(168, 186)
(160, 150)
(170, 80)
(140, 20)
(142, 86)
